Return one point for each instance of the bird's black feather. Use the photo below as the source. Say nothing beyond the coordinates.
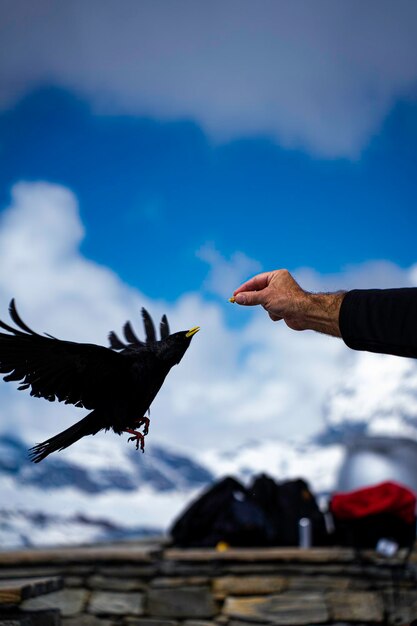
(164, 327)
(118, 384)
(130, 335)
(149, 327)
(115, 342)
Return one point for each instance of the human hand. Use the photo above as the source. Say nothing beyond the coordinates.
(283, 299)
(278, 293)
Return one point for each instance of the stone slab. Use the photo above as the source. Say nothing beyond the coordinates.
(182, 602)
(86, 554)
(127, 570)
(148, 621)
(174, 568)
(401, 606)
(318, 583)
(182, 581)
(116, 603)
(69, 601)
(250, 622)
(310, 555)
(115, 584)
(287, 608)
(197, 622)
(14, 591)
(248, 585)
(355, 606)
(87, 620)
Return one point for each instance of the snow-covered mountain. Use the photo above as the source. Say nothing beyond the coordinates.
(92, 493)
(108, 489)
(377, 397)
(23, 528)
(104, 467)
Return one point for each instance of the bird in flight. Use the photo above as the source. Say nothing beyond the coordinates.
(117, 384)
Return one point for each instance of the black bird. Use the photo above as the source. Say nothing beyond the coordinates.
(118, 384)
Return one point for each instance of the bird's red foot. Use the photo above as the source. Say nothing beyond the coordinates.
(138, 437)
(146, 421)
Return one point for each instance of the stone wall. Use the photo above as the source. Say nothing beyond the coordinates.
(146, 585)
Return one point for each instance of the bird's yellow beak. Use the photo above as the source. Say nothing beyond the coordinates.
(192, 331)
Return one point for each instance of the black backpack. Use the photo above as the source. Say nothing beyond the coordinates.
(266, 514)
(285, 504)
(224, 513)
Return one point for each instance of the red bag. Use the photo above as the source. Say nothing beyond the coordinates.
(383, 511)
(387, 497)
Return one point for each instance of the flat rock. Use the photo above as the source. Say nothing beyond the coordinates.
(318, 583)
(285, 608)
(248, 585)
(87, 554)
(68, 601)
(14, 591)
(198, 622)
(248, 622)
(115, 584)
(187, 581)
(125, 571)
(148, 621)
(116, 603)
(355, 606)
(401, 607)
(86, 620)
(181, 602)
(293, 555)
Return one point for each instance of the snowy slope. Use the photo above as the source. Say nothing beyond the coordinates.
(378, 396)
(61, 498)
(92, 492)
(116, 492)
(282, 460)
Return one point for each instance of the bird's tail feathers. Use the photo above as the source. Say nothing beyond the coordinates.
(86, 426)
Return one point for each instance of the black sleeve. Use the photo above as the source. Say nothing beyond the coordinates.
(380, 320)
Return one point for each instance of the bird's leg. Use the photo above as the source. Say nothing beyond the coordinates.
(138, 437)
(143, 420)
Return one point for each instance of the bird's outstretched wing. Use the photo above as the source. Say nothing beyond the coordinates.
(132, 340)
(83, 374)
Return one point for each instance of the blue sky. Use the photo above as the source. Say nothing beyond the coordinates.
(152, 193)
(159, 153)
(291, 140)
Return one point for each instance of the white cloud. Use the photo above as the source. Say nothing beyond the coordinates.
(234, 384)
(374, 274)
(225, 275)
(319, 75)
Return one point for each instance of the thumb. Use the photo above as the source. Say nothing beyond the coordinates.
(249, 298)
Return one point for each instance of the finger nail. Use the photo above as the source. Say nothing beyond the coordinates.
(240, 298)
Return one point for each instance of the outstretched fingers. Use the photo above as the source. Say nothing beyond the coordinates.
(252, 292)
(256, 283)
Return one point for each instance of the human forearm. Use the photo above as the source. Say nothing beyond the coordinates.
(321, 313)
